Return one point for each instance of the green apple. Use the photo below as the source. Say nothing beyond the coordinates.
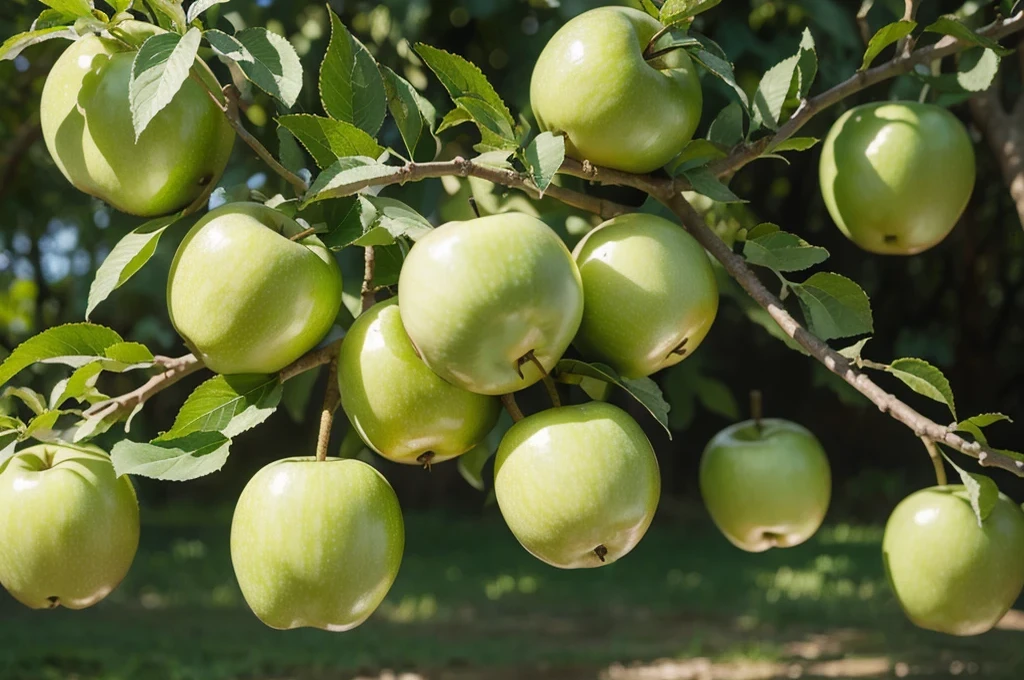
(477, 297)
(592, 84)
(949, 574)
(650, 294)
(897, 176)
(245, 297)
(316, 543)
(401, 408)
(87, 125)
(69, 527)
(766, 484)
(577, 485)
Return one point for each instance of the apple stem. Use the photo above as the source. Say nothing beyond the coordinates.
(662, 52)
(654, 39)
(756, 408)
(472, 204)
(331, 398)
(549, 384)
(509, 402)
(601, 552)
(933, 453)
(303, 234)
(368, 291)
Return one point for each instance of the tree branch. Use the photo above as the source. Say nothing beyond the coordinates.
(174, 370)
(332, 397)
(367, 292)
(936, 458)
(1004, 133)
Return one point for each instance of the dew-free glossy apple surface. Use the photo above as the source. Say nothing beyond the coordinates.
(648, 288)
(591, 82)
(768, 487)
(949, 574)
(87, 126)
(573, 478)
(897, 176)
(400, 407)
(477, 296)
(69, 528)
(316, 544)
(247, 299)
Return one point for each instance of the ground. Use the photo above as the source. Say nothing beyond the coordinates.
(470, 604)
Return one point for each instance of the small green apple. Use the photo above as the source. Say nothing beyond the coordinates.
(766, 484)
(400, 407)
(244, 296)
(650, 294)
(316, 543)
(87, 126)
(592, 83)
(897, 176)
(577, 485)
(477, 297)
(69, 527)
(949, 574)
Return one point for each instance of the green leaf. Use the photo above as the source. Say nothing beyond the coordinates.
(327, 139)
(723, 70)
(677, 11)
(981, 492)
(471, 465)
(1006, 7)
(175, 460)
(82, 383)
(835, 306)
(28, 396)
(472, 93)
(697, 153)
(347, 176)
(351, 88)
(74, 344)
(649, 7)
(794, 144)
(126, 356)
(126, 259)
(948, 25)
(884, 37)
(925, 379)
(169, 14)
(13, 46)
(41, 427)
(544, 157)
(783, 252)
(413, 114)
(795, 73)
(716, 397)
(985, 419)
(704, 182)
(198, 7)
(229, 404)
(977, 69)
(644, 390)
(763, 229)
(297, 393)
(76, 8)
(853, 352)
(160, 68)
(807, 64)
(266, 59)
(727, 127)
(377, 221)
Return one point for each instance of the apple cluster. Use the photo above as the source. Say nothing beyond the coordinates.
(485, 308)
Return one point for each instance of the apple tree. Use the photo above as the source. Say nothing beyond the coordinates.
(455, 319)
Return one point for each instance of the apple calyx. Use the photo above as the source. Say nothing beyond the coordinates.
(425, 459)
(601, 552)
(680, 349)
(54, 601)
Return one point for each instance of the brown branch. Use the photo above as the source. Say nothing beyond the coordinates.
(862, 21)
(303, 234)
(1004, 133)
(311, 360)
(332, 397)
(906, 45)
(936, 458)
(367, 292)
(174, 370)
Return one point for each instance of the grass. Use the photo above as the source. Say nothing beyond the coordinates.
(470, 603)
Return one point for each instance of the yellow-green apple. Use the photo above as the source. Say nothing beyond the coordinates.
(316, 543)
(766, 484)
(896, 176)
(649, 294)
(577, 485)
(477, 297)
(244, 296)
(69, 527)
(593, 84)
(401, 408)
(87, 125)
(949, 574)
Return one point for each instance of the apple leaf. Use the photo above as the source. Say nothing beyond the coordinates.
(168, 14)
(853, 352)
(677, 11)
(474, 95)
(351, 88)
(80, 386)
(327, 139)
(347, 176)
(704, 182)
(266, 59)
(975, 424)
(297, 393)
(471, 464)
(73, 344)
(925, 379)
(649, 7)
(716, 397)
(982, 493)
(414, 115)
(727, 127)
(175, 460)
(160, 68)
(644, 390)
(377, 221)
(544, 157)
(75, 8)
(195, 9)
(28, 396)
(783, 252)
(697, 153)
(950, 25)
(834, 306)
(229, 404)
(722, 69)
(977, 69)
(41, 427)
(13, 46)
(126, 259)
(793, 74)
(1006, 7)
(884, 37)
(795, 144)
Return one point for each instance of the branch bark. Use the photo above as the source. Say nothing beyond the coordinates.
(174, 370)
(368, 291)
(1004, 133)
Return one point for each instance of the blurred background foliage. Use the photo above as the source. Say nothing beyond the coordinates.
(958, 305)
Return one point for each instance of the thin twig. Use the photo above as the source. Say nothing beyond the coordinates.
(509, 402)
(936, 458)
(303, 234)
(862, 20)
(331, 399)
(311, 360)
(123, 405)
(367, 293)
(906, 44)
